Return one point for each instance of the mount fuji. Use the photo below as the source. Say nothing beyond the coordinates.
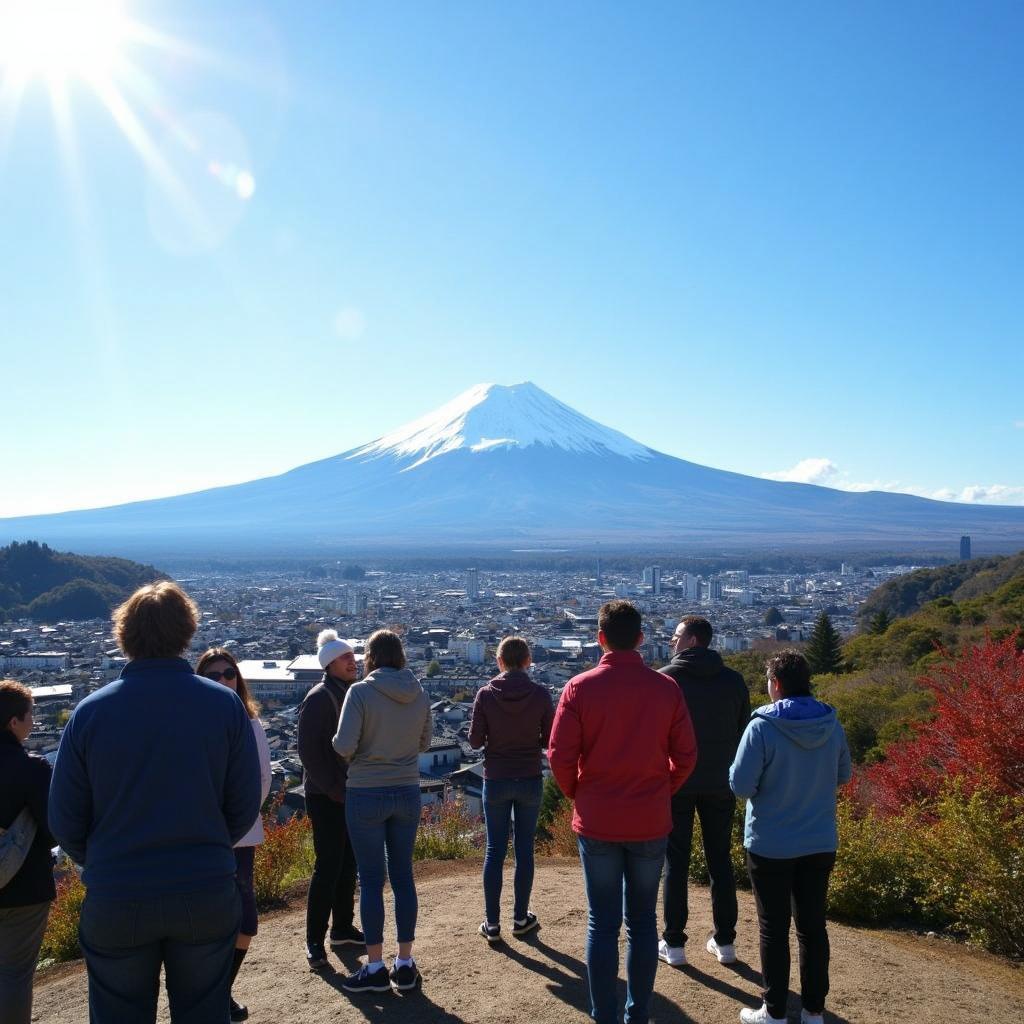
(512, 466)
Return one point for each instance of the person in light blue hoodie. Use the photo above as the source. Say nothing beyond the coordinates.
(791, 760)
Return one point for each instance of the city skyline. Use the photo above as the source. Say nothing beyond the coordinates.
(777, 243)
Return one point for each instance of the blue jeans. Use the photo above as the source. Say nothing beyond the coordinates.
(193, 936)
(621, 878)
(505, 801)
(382, 827)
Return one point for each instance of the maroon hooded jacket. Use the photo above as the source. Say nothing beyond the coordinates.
(512, 721)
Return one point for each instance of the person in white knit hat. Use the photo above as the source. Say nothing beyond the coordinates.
(332, 887)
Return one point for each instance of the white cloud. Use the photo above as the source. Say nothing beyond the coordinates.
(1019, 424)
(349, 323)
(808, 471)
(826, 473)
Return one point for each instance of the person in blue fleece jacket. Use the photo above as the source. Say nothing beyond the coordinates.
(157, 777)
(791, 760)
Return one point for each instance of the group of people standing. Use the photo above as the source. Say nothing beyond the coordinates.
(160, 777)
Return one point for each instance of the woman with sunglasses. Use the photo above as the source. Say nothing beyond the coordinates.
(219, 665)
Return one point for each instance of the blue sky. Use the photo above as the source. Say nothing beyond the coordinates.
(777, 239)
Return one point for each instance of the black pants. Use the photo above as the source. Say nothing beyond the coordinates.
(797, 886)
(333, 884)
(716, 815)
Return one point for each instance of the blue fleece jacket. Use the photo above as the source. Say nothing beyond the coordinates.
(157, 776)
(791, 760)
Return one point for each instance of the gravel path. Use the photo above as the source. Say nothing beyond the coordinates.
(877, 977)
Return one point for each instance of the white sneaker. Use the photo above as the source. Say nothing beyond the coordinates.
(674, 956)
(811, 1018)
(760, 1016)
(725, 954)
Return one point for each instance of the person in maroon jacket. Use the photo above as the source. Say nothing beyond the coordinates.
(622, 743)
(512, 721)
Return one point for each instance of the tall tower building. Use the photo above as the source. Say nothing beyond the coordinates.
(472, 584)
(965, 548)
(656, 580)
(599, 581)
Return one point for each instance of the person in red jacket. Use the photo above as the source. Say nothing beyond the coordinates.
(622, 743)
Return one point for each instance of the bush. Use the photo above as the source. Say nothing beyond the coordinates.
(979, 699)
(561, 841)
(61, 939)
(281, 857)
(879, 875)
(975, 865)
(447, 832)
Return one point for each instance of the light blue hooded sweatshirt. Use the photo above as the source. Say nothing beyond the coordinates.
(791, 760)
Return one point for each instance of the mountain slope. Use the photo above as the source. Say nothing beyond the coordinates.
(513, 466)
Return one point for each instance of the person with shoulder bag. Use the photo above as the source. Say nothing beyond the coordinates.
(26, 864)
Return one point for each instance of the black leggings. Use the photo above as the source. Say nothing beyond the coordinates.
(797, 887)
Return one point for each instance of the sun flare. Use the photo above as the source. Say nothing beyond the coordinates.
(61, 39)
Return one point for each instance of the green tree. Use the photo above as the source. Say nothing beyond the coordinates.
(552, 798)
(773, 617)
(433, 669)
(824, 650)
(880, 622)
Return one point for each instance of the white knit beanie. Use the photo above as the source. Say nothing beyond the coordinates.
(329, 647)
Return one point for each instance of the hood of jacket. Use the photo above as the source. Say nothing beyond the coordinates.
(512, 690)
(807, 722)
(701, 662)
(399, 684)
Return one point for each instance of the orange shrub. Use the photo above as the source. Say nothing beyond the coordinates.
(562, 841)
(284, 849)
(61, 939)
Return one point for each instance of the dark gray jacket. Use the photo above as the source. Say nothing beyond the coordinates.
(719, 704)
(325, 773)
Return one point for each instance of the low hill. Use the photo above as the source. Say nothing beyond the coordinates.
(877, 977)
(906, 594)
(39, 583)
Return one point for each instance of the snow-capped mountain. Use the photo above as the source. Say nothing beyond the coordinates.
(510, 467)
(491, 416)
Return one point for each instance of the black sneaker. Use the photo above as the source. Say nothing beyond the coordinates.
(406, 977)
(525, 926)
(491, 932)
(238, 1011)
(316, 956)
(365, 980)
(351, 936)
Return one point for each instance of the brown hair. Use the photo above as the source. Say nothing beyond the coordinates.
(15, 701)
(384, 650)
(698, 627)
(790, 670)
(157, 621)
(514, 652)
(222, 654)
(620, 622)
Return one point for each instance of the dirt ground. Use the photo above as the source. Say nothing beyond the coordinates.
(877, 977)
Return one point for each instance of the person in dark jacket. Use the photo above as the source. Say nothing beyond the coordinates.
(719, 705)
(25, 900)
(332, 887)
(512, 721)
(157, 777)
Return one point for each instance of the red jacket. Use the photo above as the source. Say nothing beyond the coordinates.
(621, 745)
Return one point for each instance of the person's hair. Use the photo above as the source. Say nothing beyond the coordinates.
(514, 652)
(790, 670)
(157, 621)
(15, 701)
(222, 654)
(384, 650)
(620, 623)
(698, 627)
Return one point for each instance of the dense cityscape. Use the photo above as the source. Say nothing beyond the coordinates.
(451, 622)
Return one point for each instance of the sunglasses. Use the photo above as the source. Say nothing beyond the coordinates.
(229, 674)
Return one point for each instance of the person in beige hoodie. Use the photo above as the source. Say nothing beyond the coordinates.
(385, 724)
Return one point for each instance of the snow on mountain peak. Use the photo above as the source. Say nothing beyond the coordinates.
(495, 415)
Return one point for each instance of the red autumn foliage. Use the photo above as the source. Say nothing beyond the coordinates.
(976, 734)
